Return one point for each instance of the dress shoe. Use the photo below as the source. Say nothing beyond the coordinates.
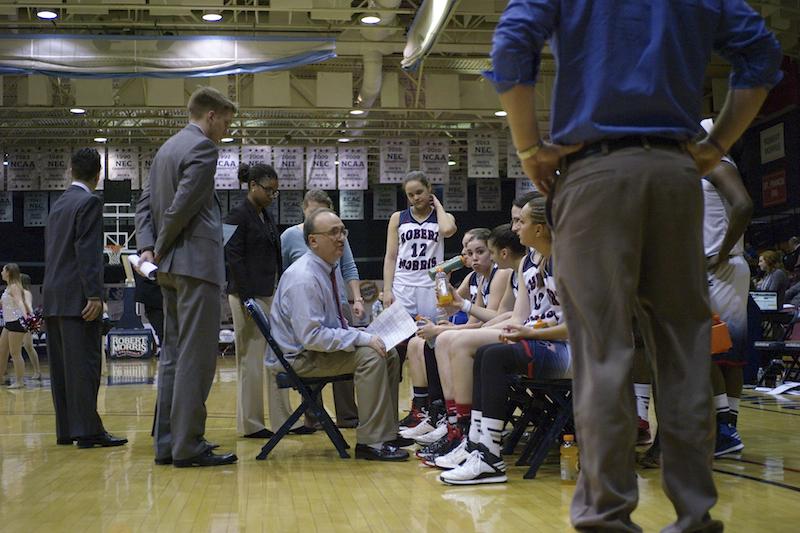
(207, 458)
(212, 445)
(64, 442)
(386, 453)
(163, 460)
(104, 440)
(400, 442)
(303, 430)
(260, 434)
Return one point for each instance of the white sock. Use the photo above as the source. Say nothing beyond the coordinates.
(733, 403)
(474, 435)
(642, 392)
(377, 446)
(721, 403)
(492, 434)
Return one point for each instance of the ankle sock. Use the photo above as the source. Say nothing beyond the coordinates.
(722, 408)
(733, 405)
(420, 399)
(452, 413)
(492, 434)
(475, 427)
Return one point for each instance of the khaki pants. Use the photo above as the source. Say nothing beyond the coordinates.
(376, 381)
(628, 239)
(251, 347)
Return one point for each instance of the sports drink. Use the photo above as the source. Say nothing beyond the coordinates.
(454, 263)
(443, 294)
(569, 460)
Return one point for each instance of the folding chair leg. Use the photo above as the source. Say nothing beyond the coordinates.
(519, 428)
(282, 431)
(537, 458)
(330, 428)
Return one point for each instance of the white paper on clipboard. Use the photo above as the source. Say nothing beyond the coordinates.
(393, 325)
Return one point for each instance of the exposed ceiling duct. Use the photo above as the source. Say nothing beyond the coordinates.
(428, 24)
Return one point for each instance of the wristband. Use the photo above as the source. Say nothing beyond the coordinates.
(530, 152)
(715, 143)
(466, 306)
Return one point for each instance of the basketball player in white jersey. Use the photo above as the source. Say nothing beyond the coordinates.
(415, 244)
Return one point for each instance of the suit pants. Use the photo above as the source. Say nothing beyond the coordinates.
(628, 240)
(186, 365)
(376, 381)
(73, 348)
(251, 347)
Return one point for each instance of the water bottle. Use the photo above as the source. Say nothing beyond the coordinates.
(454, 263)
(377, 308)
(569, 460)
(443, 294)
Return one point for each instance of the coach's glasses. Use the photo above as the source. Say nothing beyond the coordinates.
(335, 233)
(270, 191)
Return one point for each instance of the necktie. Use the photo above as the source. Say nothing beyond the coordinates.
(336, 299)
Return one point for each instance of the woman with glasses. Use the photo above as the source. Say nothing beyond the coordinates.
(253, 258)
(293, 247)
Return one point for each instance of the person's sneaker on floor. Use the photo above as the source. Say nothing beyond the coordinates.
(643, 433)
(426, 425)
(432, 436)
(480, 467)
(414, 418)
(456, 456)
(439, 448)
(728, 440)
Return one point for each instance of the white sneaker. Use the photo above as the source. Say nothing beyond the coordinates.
(476, 470)
(420, 429)
(432, 436)
(453, 459)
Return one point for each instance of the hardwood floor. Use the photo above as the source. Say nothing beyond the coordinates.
(304, 486)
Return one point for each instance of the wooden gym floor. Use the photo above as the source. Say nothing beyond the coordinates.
(304, 486)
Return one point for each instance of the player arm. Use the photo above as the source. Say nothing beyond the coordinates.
(447, 222)
(390, 259)
(522, 306)
(728, 182)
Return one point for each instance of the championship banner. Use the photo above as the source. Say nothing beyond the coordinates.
(455, 194)
(34, 212)
(321, 168)
(384, 202)
(513, 164)
(524, 186)
(6, 207)
(227, 176)
(482, 155)
(395, 160)
(289, 166)
(433, 158)
(488, 195)
(54, 174)
(254, 154)
(147, 154)
(234, 199)
(351, 205)
(291, 207)
(353, 170)
(123, 164)
(22, 172)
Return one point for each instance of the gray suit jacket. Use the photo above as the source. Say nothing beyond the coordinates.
(179, 215)
(73, 249)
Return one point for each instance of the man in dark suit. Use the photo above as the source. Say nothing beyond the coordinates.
(73, 305)
(179, 227)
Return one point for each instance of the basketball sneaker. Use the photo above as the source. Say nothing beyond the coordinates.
(432, 436)
(414, 418)
(426, 425)
(728, 440)
(480, 467)
(456, 456)
(643, 433)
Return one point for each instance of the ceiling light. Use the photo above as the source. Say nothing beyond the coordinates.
(226, 140)
(46, 14)
(500, 113)
(451, 163)
(357, 111)
(344, 140)
(77, 111)
(100, 139)
(212, 17)
(370, 19)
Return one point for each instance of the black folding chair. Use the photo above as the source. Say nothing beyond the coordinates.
(310, 390)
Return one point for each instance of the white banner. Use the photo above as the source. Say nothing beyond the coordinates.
(321, 168)
(254, 154)
(55, 174)
(22, 172)
(395, 160)
(6, 207)
(147, 153)
(353, 170)
(289, 166)
(351, 205)
(35, 210)
(513, 164)
(433, 157)
(123, 164)
(772, 143)
(227, 176)
(482, 155)
(524, 186)
(455, 194)
(488, 195)
(384, 202)
(291, 208)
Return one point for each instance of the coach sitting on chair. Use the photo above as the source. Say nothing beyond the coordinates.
(308, 325)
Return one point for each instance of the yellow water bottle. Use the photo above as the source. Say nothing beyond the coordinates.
(443, 295)
(569, 460)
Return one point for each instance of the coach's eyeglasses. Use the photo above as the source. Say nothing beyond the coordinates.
(272, 192)
(335, 233)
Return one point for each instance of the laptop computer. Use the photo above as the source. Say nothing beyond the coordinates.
(766, 300)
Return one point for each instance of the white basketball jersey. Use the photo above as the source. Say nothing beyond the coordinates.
(420, 248)
(716, 220)
(541, 287)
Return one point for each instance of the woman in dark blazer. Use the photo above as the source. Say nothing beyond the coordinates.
(253, 259)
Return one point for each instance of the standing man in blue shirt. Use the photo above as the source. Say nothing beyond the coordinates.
(626, 208)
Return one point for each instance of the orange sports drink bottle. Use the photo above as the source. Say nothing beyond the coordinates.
(443, 295)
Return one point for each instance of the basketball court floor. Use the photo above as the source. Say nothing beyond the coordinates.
(304, 486)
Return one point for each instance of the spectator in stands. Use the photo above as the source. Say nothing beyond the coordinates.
(775, 278)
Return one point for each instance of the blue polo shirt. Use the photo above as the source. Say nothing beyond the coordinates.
(631, 67)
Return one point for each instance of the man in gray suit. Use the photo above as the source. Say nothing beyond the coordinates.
(179, 227)
(73, 291)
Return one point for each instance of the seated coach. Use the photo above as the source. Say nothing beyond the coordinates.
(308, 325)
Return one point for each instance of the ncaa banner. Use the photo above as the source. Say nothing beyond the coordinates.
(321, 168)
(433, 158)
(22, 172)
(289, 166)
(227, 176)
(123, 164)
(54, 172)
(351, 205)
(353, 170)
(482, 155)
(395, 160)
(488, 195)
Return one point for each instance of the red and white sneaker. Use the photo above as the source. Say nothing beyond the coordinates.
(414, 418)
(643, 433)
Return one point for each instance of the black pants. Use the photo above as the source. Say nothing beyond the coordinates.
(156, 317)
(432, 372)
(493, 363)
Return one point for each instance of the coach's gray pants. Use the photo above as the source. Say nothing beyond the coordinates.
(628, 239)
(186, 365)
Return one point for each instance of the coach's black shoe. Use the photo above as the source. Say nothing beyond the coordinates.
(400, 442)
(161, 461)
(64, 442)
(207, 458)
(104, 440)
(386, 453)
(261, 434)
(303, 430)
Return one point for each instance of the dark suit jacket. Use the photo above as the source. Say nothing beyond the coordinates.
(253, 253)
(179, 215)
(73, 248)
(148, 292)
